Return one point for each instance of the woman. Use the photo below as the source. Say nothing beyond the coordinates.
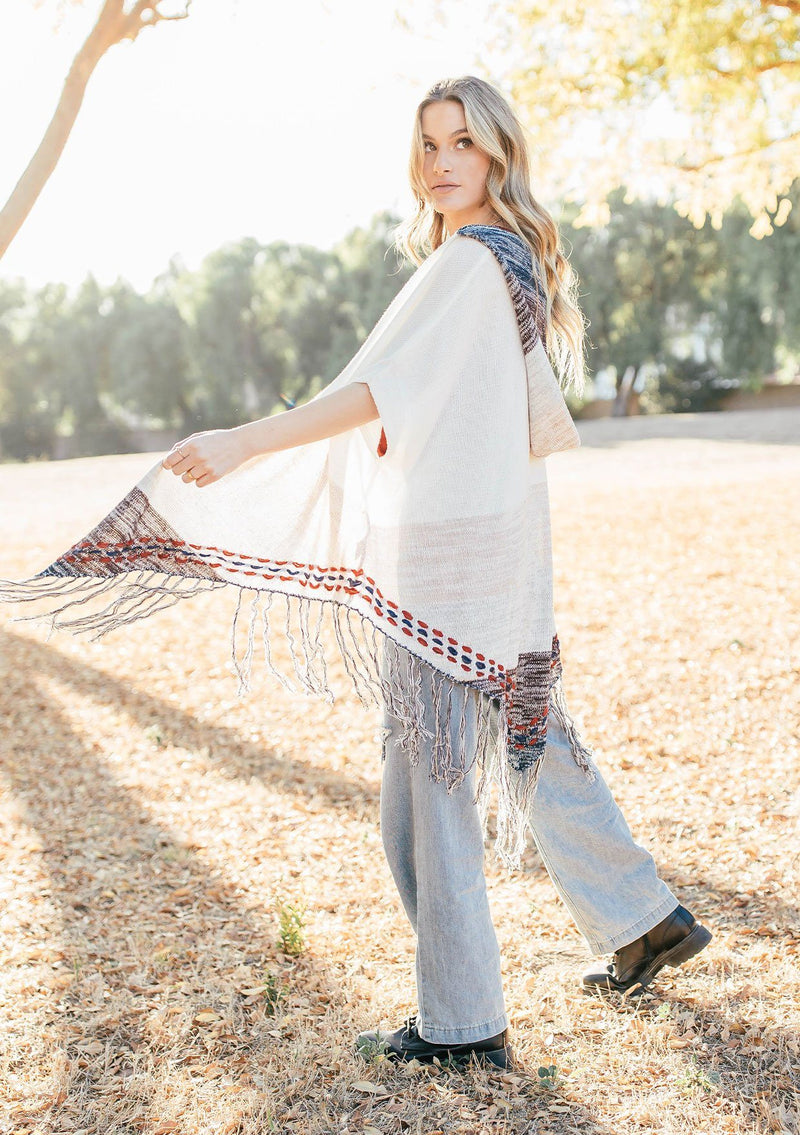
(413, 493)
(469, 167)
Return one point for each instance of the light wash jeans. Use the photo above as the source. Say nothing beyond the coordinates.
(435, 850)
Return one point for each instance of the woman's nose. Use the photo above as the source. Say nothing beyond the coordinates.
(442, 163)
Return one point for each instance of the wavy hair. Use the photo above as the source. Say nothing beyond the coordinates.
(497, 131)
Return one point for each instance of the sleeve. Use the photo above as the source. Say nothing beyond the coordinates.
(421, 345)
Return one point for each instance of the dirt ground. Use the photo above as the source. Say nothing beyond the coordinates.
(153, 824)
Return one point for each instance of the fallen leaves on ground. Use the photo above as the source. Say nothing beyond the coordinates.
(149, 819)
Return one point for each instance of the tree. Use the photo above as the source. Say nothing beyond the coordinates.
(117, 21)
(656, 274)
(596, 81)
(27, 422)
(148, 356)
(217, 304)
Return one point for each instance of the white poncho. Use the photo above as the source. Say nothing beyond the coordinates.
(427, 530)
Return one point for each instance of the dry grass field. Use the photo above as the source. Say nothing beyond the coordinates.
(153, 826)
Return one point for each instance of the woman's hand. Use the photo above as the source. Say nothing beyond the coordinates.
(206, 457)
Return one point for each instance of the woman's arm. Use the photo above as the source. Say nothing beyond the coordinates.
(208, 456)
(333, 414)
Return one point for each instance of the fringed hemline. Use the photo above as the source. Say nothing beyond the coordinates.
(384, 673)
(482, 743)
(143, 593)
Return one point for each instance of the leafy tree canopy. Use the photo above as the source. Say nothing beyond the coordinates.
(690, 102)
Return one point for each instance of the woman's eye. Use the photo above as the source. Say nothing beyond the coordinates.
(458, 143)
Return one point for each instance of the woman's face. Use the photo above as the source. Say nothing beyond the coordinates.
(454, 170)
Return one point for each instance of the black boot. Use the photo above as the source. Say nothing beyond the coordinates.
(406, 1044)
(676, 938)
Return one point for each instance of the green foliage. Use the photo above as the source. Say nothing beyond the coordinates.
(148, 355)
(699, 99)
(291, 926)
(205, 349)
(684, 386)
(699, 309)
(694, 1077)
(704, 308)
(275, 992)
(373, 1051)
(549, 1078)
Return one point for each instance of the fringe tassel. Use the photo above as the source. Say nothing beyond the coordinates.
(267, 649)
(515, 793)
(515, 790)
(401, 689)
(141, 594)
(312, 650)
(485, 757)
(582, 753)
(290, 639)
(382, 671)
(387, 674)
(244, 668)
(319, 652)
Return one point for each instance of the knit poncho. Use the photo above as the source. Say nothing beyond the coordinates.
(425, 531)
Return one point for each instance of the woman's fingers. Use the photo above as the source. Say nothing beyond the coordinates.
(180, 455)
(203, 459)
(185, 463)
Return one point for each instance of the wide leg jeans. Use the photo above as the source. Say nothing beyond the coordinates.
(435, 850)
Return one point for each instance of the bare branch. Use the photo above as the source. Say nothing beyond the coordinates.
(756, 70)
(145, 14)
(728, 157)
(184, 15)
(112, 26)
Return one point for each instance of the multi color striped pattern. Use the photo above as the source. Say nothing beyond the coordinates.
(135, 537)
(526, 289)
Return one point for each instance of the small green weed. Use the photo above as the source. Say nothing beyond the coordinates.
(291, 933)
(155, 735)
(549, 1078)
(163, 957)
(372, 1050)
(693, 1076)
(274, 993)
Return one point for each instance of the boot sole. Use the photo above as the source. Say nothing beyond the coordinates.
(695, 941)
(497, 1057)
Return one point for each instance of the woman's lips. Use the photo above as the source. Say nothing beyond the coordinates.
(444, 188)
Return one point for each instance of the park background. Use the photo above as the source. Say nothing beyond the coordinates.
(197, 916)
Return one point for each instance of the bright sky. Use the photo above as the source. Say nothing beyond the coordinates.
(251, 118)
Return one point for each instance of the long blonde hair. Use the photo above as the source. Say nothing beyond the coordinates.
(495, 129)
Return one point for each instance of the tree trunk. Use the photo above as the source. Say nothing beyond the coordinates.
(621, 401)
(113, 25)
